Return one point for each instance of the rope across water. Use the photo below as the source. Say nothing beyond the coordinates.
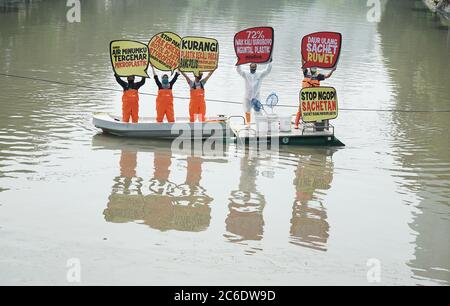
(211, 100)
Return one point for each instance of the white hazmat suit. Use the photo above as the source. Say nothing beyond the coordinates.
(253, 85)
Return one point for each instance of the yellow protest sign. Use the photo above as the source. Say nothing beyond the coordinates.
(318, 104)
(165, 51)
(129, 58)
(199, 54)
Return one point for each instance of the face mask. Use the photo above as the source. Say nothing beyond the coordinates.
(165, 81)
(253, 71)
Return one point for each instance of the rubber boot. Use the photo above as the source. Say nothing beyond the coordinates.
(297, 119)
(248, 118)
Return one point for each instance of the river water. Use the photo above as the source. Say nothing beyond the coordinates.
(136, 212)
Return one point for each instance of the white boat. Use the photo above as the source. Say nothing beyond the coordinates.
(147, 127)
(220, 127)
(307, 135)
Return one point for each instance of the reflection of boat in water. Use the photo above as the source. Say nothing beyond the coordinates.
(309, 225)
(158, 202)
(110, 142)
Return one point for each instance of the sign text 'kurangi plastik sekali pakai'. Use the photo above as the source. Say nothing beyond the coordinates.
(199, 54)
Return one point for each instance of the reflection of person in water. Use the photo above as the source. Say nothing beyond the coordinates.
(309, 225)
(245, 220)
(192, 191)
(124, 182)
(159, 183)
(166, 206)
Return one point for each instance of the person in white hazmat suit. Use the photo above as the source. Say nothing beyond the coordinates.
(253, 80)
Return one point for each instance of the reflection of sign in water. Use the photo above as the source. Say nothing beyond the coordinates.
(309, 225)
(199, 54)
(245, 221)
(310, 179)
(159, 212)
(129, 58)
(313, 174)
(318, 104)
(169, 206)
(254, 45)
(165, 51)
(321, 49)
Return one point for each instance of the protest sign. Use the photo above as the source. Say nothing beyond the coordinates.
(254, 45)
(165, 51)
(129, 58)
(318, 104)
(199, 54)
(321, 49)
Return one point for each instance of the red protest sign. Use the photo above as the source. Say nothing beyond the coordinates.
(254, 45)
(321, 49)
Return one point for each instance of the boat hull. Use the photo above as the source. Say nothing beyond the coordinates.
(307, 141)
(304, 136)
(150, 129)
(218, 128)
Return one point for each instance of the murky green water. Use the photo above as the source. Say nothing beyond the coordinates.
(136, 212)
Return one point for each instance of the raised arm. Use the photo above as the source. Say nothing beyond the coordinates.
(156, 78)
(141, 83)
(186, 77)
(239, 70)
(120, 81)
(330, 74)
(209, 75)
(175, 78)
(305, 72)
(267, 70)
